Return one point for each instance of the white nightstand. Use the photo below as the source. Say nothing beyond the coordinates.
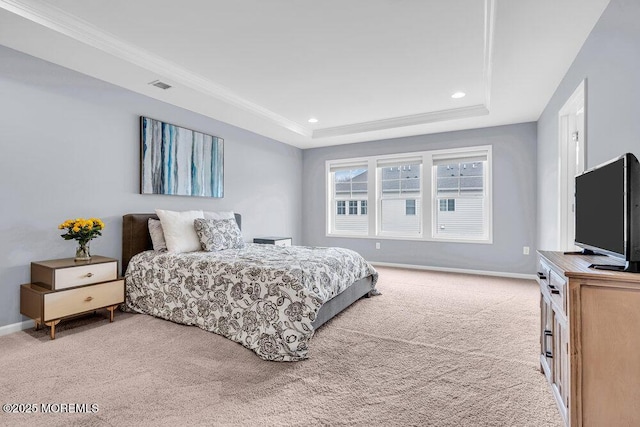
(271, 240)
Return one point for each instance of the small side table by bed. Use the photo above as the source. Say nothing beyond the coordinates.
(272, 240)
(64, 287)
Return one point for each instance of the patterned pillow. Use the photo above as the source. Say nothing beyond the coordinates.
(157, 235)
(218, 234)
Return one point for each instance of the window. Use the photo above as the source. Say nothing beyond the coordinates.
(461, 196)
(447, 205)
(430, 195)
(400, 196)
(353, 207)
(349, 188)
(410, 207)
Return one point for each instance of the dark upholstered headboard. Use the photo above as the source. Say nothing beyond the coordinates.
(136, 238)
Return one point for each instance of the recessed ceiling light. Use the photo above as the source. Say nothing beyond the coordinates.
(458, 95)
(313, 120)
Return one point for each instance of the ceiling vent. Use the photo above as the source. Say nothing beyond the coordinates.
(161, 85)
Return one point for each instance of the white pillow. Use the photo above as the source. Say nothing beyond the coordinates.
(178, 229)
(157, 235)
(219, 215)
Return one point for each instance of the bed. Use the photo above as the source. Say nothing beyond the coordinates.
(270, 299)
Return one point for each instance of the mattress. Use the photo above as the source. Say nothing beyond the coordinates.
(264, 297)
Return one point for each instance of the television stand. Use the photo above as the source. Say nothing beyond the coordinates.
(589, 341)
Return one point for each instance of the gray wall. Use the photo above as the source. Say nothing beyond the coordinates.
(514, 201)
(69, 148)
(610, 61)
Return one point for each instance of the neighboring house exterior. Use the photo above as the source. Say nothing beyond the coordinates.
(460, 199)
(351, 201)
(459, 204)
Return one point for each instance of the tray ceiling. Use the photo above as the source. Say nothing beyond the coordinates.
(365, 69)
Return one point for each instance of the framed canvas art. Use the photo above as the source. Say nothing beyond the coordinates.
(180, 161)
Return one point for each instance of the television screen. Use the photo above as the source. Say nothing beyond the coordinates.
(600, 208)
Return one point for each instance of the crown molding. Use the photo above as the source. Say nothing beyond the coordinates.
(489, 26)
(396, 122)
(64, 23)
(82, 31)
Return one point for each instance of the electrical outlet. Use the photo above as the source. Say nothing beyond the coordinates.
(377, 245)
(525, 250)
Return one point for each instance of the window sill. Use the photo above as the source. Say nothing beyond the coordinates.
(413, 239)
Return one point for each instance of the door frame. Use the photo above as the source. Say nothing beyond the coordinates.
(576, 104)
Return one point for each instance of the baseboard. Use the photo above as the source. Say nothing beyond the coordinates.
(15, 327)
(457, 270)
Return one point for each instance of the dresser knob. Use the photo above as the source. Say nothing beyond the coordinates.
(87, 299)
(89, 274)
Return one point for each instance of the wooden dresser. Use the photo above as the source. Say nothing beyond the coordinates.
(590, 339)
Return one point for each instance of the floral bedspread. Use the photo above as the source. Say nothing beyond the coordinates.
(264, 297)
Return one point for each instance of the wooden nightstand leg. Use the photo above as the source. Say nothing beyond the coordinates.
(37, 322)
(113, 307)
(52, 325)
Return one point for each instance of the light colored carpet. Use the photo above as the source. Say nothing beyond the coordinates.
(435, 349)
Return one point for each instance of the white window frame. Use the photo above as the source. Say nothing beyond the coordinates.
(331, 211)
(463, 153)
(427, 191)
(384, 161)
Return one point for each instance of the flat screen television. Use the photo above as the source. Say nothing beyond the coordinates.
(607, 212)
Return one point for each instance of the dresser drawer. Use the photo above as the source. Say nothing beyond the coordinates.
(67, 273)
(558, 285)
(87, 298)
(553, 283)
(543, 273)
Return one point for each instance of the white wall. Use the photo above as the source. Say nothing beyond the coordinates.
(69, 148)
(610, 61)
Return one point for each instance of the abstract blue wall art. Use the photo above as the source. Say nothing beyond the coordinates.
(180, 161)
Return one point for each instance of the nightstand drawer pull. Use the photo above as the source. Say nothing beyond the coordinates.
(89, 274)
(87, 299)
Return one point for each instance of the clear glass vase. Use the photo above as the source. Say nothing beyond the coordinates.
(82, 252)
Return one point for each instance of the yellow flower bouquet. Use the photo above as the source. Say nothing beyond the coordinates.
(82, 230)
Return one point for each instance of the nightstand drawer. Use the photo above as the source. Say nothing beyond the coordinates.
(87, 298)
(85, 275)
(67, 273)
